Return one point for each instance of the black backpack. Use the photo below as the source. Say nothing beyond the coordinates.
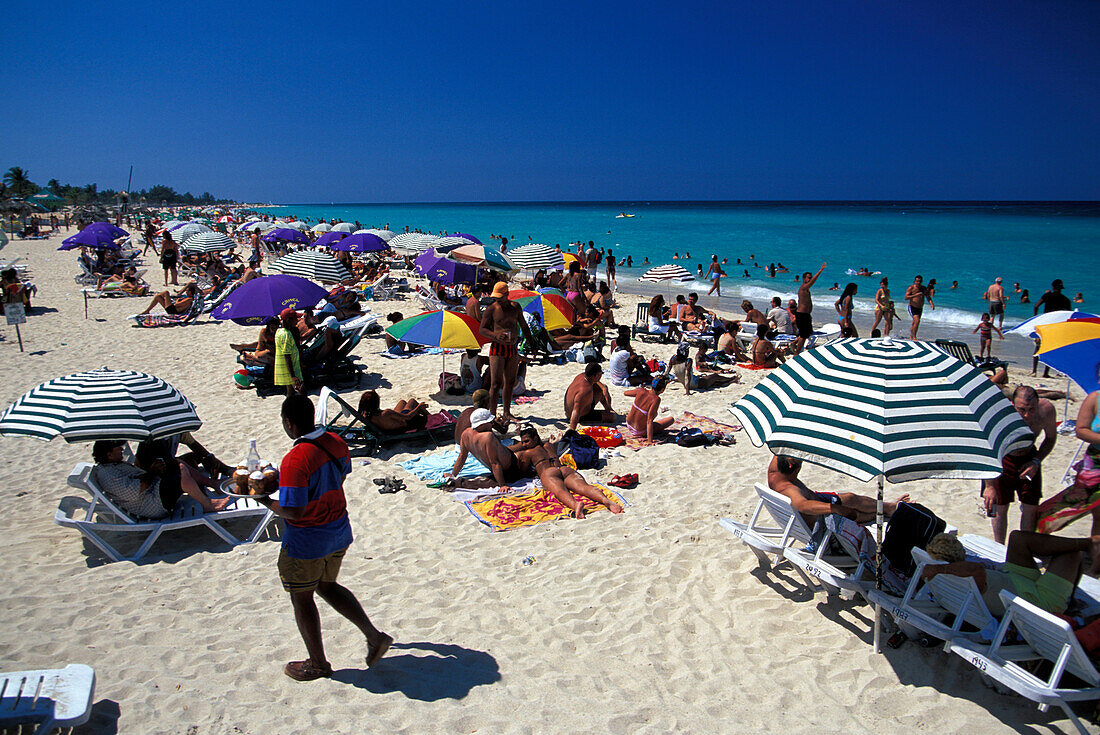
(911, 525)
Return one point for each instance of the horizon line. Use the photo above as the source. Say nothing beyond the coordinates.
(911, 202)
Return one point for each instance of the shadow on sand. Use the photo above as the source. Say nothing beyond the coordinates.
(425, 671)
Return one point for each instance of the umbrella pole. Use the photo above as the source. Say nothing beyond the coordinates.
(878, 565)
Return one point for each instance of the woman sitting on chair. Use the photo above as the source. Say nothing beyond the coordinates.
(177, 303)
(410, 415)
(262, 351)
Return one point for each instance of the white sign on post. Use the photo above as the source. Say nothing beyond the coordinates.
(15, 313)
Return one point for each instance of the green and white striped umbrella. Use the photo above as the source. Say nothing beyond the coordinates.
(312, 264)
(207, 242)
(101, 404)
(903, 410)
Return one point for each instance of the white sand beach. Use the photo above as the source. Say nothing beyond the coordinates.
(652, 621)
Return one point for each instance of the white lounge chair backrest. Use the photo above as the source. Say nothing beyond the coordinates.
(1050, 637)
(50, 698)
(958, 595)
(779, 506)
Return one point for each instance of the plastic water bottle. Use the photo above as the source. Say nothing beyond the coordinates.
(528, 561)
(253, 460)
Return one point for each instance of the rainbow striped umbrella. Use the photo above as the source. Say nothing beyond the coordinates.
(439, 329)
(554, 311)
(1073, 348)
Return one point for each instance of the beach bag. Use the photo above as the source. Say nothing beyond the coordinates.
(692, 437)
(451, 384)
(911, 525)
(583, 449)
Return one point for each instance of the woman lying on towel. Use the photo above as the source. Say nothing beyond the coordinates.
(560, 480)
(410, 415)
(147, 492)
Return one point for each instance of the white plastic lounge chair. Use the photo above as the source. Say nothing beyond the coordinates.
(838, 574)
(1046, 637)
(927, 604)
(47, 698)
(430, 301)
(101, 515)
(378, 290)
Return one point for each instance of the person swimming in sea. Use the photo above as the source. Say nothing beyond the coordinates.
(834, 287)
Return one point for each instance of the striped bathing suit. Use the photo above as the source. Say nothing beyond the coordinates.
(503, 350)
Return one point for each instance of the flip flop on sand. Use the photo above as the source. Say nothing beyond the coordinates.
(307, 671)
(624, 481)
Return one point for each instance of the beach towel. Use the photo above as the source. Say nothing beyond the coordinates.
(1079, 499)
(751, 366)
(526, 485)
(527, 509)
(431, 467)
(687, 421)
(157, 320)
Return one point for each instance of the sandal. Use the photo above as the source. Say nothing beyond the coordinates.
(307, 671)
(391, 485)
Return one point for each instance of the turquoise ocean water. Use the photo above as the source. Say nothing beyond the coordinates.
(970, 243)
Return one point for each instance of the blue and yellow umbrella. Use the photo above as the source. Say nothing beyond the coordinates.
(1073, 348)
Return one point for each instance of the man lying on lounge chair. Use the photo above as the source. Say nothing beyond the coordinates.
(1051, 589)
(783, 478)
(410, 415)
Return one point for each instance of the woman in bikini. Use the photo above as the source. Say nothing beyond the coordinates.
(410, 415)
(884, 307)
(169, 258)
(262, 351)
(558, 479)
(844, 311)
(641, 420)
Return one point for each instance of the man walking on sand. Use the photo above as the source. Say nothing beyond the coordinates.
(803, 322)
(995, 294)
(501, 323)
(915, 295)
(317, 535)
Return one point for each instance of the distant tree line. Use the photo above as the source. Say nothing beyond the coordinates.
(18, 185)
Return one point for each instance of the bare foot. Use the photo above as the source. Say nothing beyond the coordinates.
(1095, 567)
(615, 508)
(220, 503)
(578, 511)
(378, 648)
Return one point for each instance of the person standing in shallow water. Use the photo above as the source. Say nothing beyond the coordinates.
(714, 274)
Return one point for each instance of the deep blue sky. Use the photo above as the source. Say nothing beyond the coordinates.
(488, 101)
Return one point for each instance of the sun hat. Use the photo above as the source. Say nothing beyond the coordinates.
(330, 323)
(480, 417)
(500, 290)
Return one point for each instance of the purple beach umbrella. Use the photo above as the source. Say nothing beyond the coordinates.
(89, 238)
(443, 270)
(266, 296)
(364, 242)
(286, 234)
(329, 238)
(108, 227)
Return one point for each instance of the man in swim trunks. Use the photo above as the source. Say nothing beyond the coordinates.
(1051, 589)
(915, 295)
(501, 323)
(803, 322)
(556, 478)
(584, 394)
(1021, 470)
(995, 294)
(480, 441)
(783, 478)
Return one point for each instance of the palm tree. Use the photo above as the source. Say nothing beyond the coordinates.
(19, 182)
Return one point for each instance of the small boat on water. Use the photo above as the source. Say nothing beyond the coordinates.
(620, 215)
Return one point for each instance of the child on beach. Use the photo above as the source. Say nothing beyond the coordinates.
(986, 342)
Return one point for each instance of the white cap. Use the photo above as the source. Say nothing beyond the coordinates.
(330, 323)
(480, 417)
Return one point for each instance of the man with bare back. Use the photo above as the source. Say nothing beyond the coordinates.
(915, 295)
(783, 478)
(561, 480)
(501, 323)
(1021, 470)
(584, 394)
(803, 322)
(480, 441)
